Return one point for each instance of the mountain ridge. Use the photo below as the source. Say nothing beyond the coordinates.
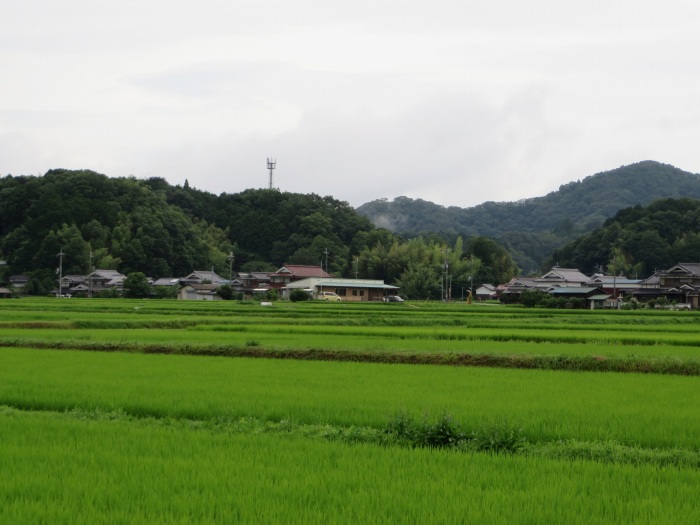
(399, 215)
(531, 228)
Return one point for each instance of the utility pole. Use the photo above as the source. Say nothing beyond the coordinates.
(230, 258)
(90, 270)
(60, 273)
(326, 252)
(271, 164)
(446, 292)
(357, 262)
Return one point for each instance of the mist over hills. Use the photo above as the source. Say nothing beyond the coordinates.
(532, 228)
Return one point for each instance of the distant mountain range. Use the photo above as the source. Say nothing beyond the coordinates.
(532, 228)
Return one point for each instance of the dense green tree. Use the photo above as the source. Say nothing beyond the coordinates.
(649, 238)
(686, 248)
(225, 291)
(136, 285)
(420, 282)
(164, 292)
(532, 228)
(496, 265)
(258, 266)
(162, 230)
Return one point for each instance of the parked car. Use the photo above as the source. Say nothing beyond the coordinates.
(393, 299)
(328, 296)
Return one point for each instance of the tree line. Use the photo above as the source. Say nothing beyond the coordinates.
(532, 228)
(638, 240)
(161, 230)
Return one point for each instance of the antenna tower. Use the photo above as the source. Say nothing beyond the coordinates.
(271, 163)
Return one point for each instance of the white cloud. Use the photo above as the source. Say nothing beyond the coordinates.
(454, 102)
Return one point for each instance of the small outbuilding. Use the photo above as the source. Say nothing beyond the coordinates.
(349, 290)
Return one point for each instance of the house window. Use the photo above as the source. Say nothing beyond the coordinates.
(354, 293)
(342, 292)
(362, 293)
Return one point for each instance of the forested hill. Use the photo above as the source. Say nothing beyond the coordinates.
(532, 228)
(581, 205)
(638, 240)
(162, 230)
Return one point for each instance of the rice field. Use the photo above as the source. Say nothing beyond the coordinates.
(146, 430)
(63, 470)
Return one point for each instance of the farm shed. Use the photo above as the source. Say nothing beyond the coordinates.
(350, 290)
(485, 291)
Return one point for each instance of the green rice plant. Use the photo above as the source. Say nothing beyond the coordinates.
(70, 471)
(374, 347)
(626, 408)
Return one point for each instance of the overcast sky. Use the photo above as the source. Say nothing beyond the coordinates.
(453, 101)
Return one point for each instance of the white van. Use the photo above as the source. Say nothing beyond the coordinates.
(328, 296)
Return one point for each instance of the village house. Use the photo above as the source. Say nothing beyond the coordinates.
(199, 292)
(250, 283)
(295, 272)
(102, 279)
(616, 286)
(18, 281)
(558, 282)
(203, 276)
(561, 277)
(485, 291)
(510, 291)
(350, 290)
(679, 284)
(591, 296)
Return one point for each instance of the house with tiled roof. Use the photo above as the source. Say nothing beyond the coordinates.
(295, 272)
(561, 277)
(510, 291)
(485, 291)
(101, 279)
(250, 283)
(678, 284)
(591, 296)
(199, 292)
(18, 281)
(680, 274)
(202, 276)
(615, 285)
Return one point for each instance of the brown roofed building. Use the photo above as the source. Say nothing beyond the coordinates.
(295, 272)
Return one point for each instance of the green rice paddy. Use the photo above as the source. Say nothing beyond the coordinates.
(137, 431)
